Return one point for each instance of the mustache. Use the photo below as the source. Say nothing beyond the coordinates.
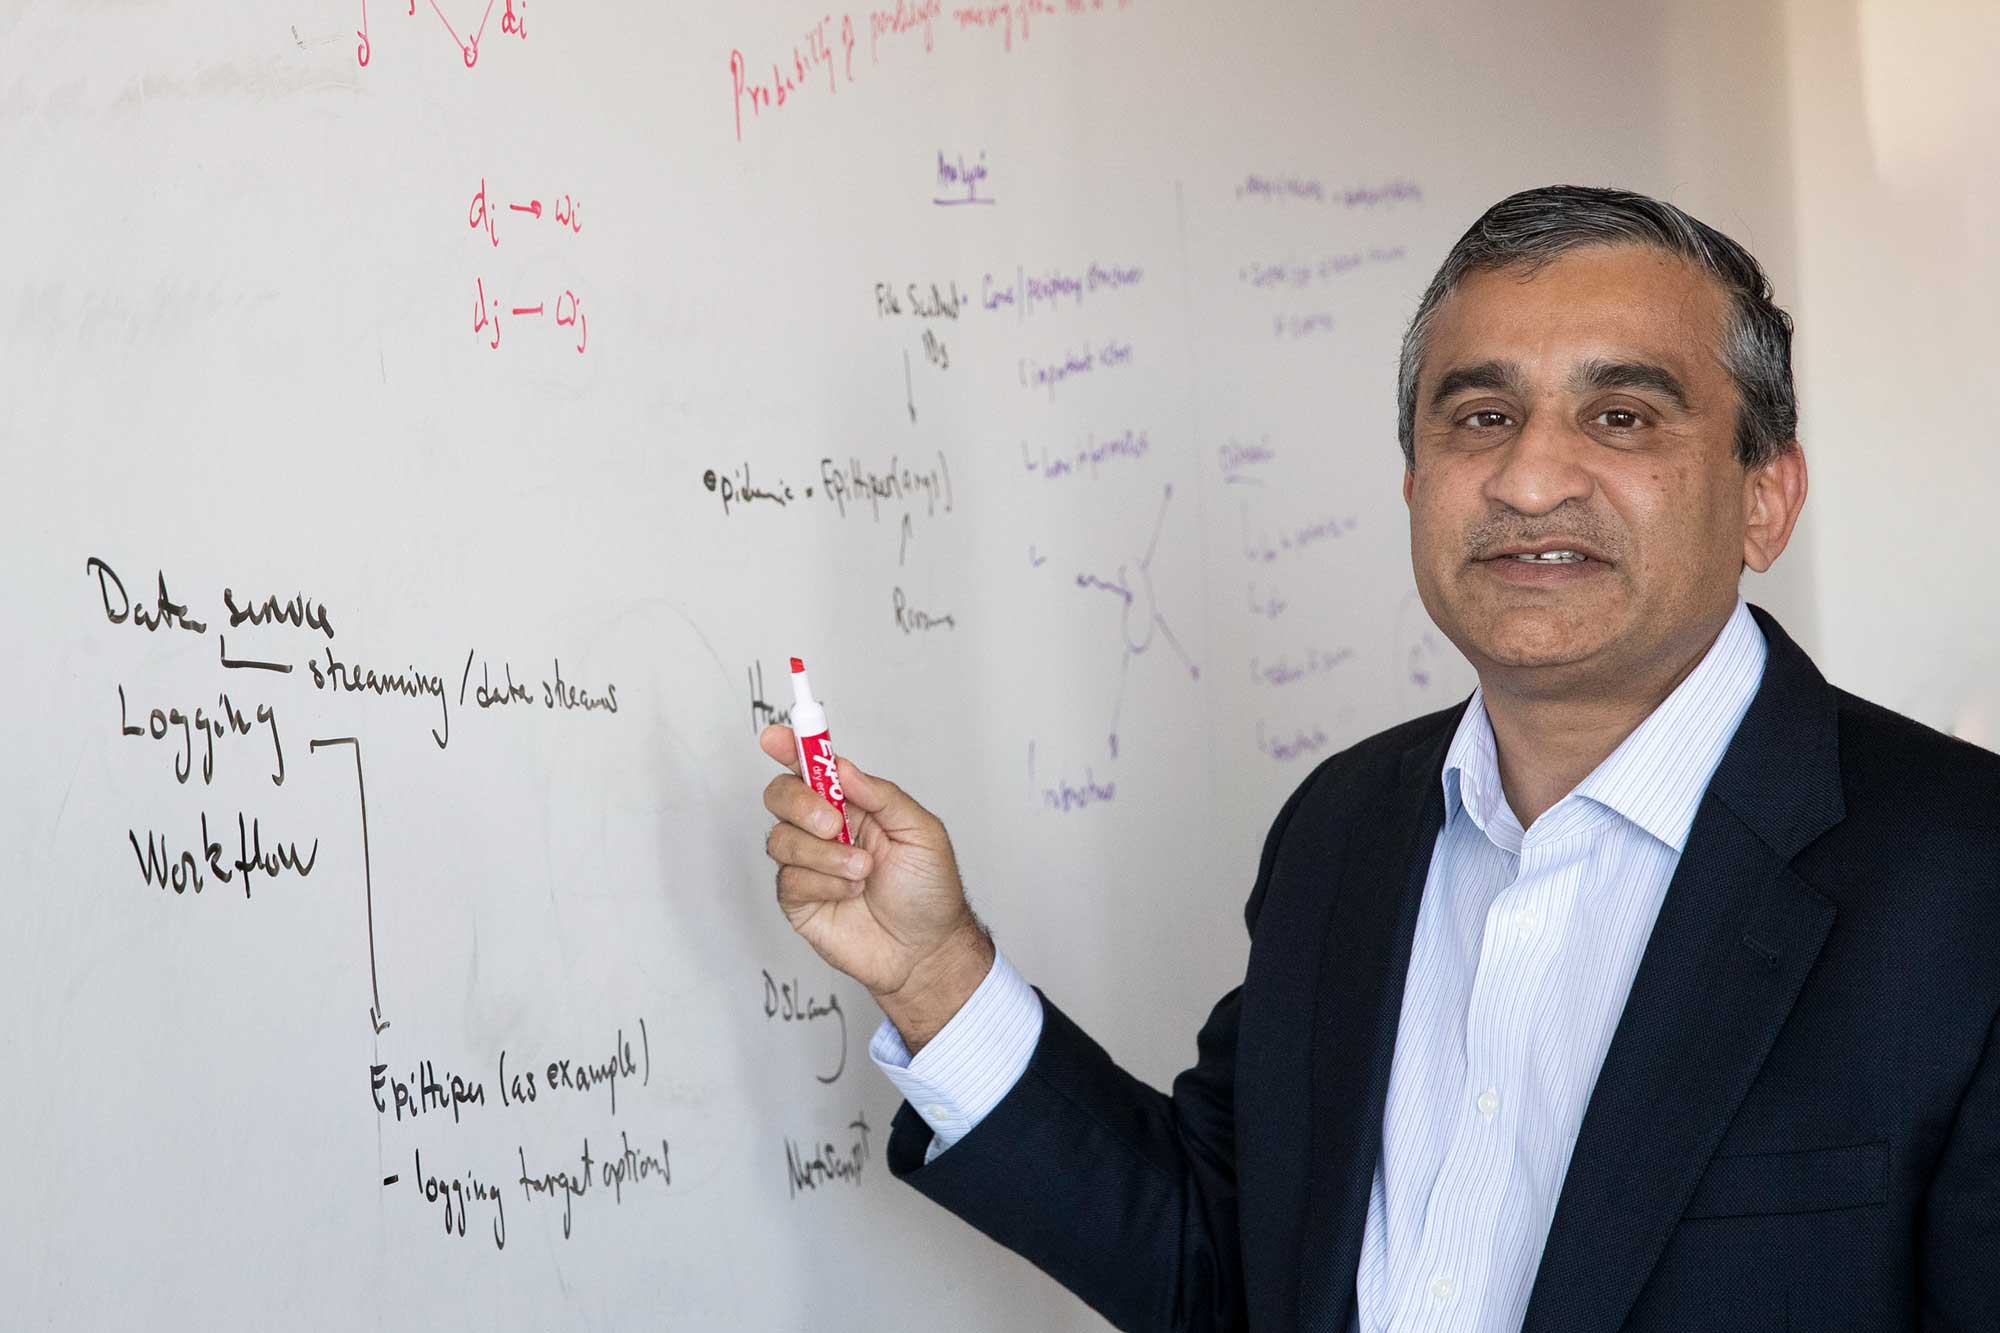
(1579, 528)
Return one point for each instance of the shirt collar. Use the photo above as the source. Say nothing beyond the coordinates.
(1656, 776)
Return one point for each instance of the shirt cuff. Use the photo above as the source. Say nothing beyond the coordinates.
(974, 1061)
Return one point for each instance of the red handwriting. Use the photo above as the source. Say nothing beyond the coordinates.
(828, 46)
(480, 215)
(1005, 15)
(907, 16)
(815, 52)
(481, 319)
(573, 319)
(486, 315)
(512, 22)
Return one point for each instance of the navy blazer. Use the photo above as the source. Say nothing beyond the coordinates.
(1796, 1127)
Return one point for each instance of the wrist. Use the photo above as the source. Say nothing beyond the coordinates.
(939, 985)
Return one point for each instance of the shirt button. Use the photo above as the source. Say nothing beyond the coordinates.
(1489, 1103)
(1528, 920)
(1442, 1288)
(935, 1112)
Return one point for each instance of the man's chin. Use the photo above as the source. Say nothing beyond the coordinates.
(1538, 641)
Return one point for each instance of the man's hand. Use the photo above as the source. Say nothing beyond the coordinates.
(888, 911)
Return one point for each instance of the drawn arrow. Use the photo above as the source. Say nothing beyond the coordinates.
(375, 1018)
(902, 549)
(909, 395)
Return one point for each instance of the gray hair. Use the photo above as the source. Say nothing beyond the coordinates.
(1531, 229)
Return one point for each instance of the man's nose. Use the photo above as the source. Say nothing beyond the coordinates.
(1542, 467)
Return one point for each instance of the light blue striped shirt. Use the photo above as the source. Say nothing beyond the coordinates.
(1525, 948)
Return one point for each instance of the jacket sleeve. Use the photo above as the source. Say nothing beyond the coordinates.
(1960, 1238)
(1125, 1195)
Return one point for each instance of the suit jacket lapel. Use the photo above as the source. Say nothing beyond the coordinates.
(1364, 956)
(1736, 935)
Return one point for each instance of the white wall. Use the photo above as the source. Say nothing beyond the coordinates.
(1896, 140)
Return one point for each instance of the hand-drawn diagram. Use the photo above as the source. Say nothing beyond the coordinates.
(1140, 618)
(513, 22)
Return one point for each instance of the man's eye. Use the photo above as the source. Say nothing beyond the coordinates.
(1484, 419)
(1619, 418)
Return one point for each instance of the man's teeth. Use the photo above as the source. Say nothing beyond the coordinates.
(1553, 557)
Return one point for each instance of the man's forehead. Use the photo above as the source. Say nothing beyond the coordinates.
(1625, 302)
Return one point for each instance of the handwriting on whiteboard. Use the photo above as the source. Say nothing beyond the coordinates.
(555, 215)
(1309, 190)
(825, 50)
(958, 183)
(513, 23)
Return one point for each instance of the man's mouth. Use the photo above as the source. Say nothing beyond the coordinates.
(1545, 563)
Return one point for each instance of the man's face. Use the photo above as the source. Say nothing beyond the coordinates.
(1586, 410)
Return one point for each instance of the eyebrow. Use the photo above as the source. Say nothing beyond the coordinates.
(1594, 375)
(1499, 376)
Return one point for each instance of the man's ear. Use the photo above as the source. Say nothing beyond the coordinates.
(1773, 495)
(1409, 483)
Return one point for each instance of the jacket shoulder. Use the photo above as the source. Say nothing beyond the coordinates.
(1896, 767)
(1918, 844)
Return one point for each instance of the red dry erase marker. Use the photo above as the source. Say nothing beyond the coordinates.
(816, 746)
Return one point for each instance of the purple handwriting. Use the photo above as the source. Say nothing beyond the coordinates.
(1279, 189)
(958, 183)
(1269, 606)
(1303, 741)
(1087, 580)
(1066, 797)
(994, 296)
(1308, 534)
(1397, 191)
(1051, 288)
(1108, 355)
(1258, 548)
(1312, 324)
(1286, 670)
(1297, 273)
(1237, 459)
(1088, 457)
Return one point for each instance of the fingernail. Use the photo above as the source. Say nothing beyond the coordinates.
(856, 863)
(823, 824)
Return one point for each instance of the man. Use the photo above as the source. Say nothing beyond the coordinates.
(1655, 986)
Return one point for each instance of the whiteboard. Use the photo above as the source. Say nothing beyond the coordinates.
(428, 429)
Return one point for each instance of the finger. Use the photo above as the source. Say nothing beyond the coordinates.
(781, 743)
(799, 887)
(889, 804)
(791, 800)
(789, 845)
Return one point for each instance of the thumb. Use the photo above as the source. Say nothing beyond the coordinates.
(889, 805)
(781, 744)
